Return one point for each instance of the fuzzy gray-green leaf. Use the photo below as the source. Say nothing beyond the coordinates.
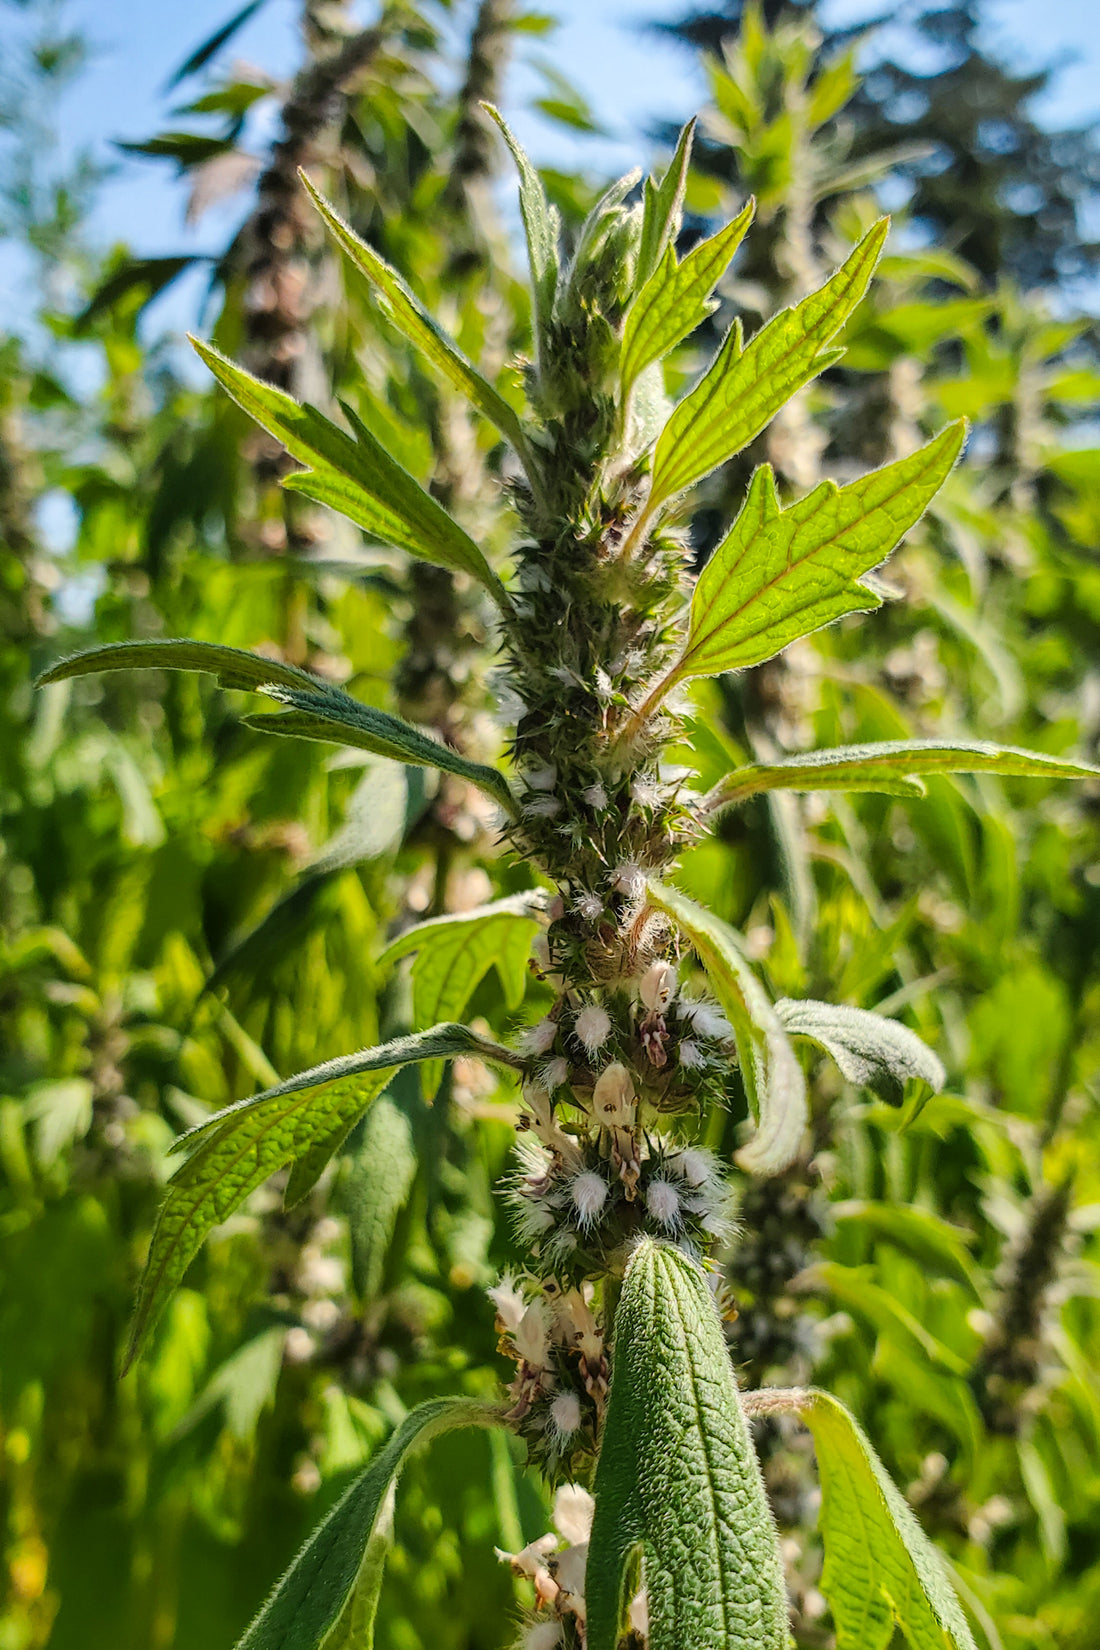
(234, 668)
(340, 1560)
(770, 1070)
(870, 1050)
(355, 475)
(408, 314)
(678, 1479)
(743, 390)
(236, 1149)
(780, 574)
(676, 298)
(662, 209)
(540, 223)
(890, 766)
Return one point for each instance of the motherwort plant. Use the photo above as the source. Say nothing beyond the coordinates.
(623, 1389)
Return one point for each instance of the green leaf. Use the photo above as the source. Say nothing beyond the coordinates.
(321, 711)
(404, 309)
(378, 1177)
(355, 475)
(678, 1478)
(870, 1050)
(237, 1148)
(338, 719)
(881, 1570)
(743, 390)
(887, 766)
(541, 227)
(340, 1565)
(676, 298)
(662, 209)
(918, 1230)
(855, 1288)
(772, 1075)
(453, 955)
(780, 574)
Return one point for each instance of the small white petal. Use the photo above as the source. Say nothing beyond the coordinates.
(574, 1509)
(593, 1027)
(695, 1165)
(707, 1019)
(613, 1097)
(565, 1414)
(589, 1194)
(663, 1202)
(658, 986)
(628, 878)
(544, 1635)
(554, 1073)
(540, 779)
(691, 1056)
(539, 1038)
(543, 807)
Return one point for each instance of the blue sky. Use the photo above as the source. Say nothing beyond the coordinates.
(630, 77)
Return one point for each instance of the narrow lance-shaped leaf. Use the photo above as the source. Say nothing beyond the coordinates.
(236, 1149)
(662, 208)
(772, 1075)
(340, 1565)
(540, 224)
(453, 955)
(781, 574)
(354, 475)
(870, 1050)
(321, 711)
(677, 1478)
(881, 1571)
(890, 766)
(419, 326)
(743, 390)
(676, 299)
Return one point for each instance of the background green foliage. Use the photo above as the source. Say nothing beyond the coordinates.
(189, 913)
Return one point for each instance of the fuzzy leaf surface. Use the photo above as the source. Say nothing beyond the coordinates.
(354, 475)
(870, 1050)
(339, 719)
(454, 954)
(678, 1477)
(340, 1563)
(662, 208)
(780, 574)
(375, 1187)
(772, 1075)
(891, 766)
(676, 298)
(880, 1567)
(419, 326)
(744, 389)
(236, 1149)
(233, 667)
(540, 226)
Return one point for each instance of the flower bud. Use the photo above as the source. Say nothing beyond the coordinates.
(658, 986)
(565, 1414)
(589, 1194)
(539, 1038)
(593, 1027)
(690, 1054)
(663, 1202)
(613, 1097)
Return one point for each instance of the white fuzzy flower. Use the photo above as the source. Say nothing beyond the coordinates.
(543, 807)
(646, 791)
(690, 1055)
(604, 689)
(595, 796)
(588, 906)
(593, 1027)
(628, 878)
(532, 1336)
(613, 1097)
(540, 779)
(554, 1073)
(707, 1019)
(663, 1202)
(568, 1569)
(658, 986)
(532, 1218)
(589, 1194)
(694, 1165)
(574, 1509)
(565, 1414)
(543, 1635)
(539, 1038)
(509, 1303)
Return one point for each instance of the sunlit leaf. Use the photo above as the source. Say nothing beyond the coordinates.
(662, 209)
(678, 1480)
(340, 1560)
(541, 227)
(870, 1050)
(769, 1066)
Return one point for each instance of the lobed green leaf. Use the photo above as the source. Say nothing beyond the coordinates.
(236, 1149)
(340, 1567)
(881, 1571)
(744, 389)
(676, 298)
(419, 326)
(780, 574)
(870, 1050)
(662, 209)
(454, 953)
(890, 766)
(678, 1479)
(354, 475)
(772, 1075)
